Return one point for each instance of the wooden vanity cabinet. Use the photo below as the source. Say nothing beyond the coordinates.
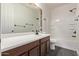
(22, 50)
(34, 51)
(24, 54)
(43, 49)
(16, 51)
(37, 48)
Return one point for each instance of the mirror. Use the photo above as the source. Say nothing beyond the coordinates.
(20, 17)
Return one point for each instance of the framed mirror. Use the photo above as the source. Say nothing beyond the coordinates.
(20, 17)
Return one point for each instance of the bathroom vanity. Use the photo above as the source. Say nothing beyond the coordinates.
(14, 38)
(37, 45)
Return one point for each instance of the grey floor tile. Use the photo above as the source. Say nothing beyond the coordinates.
(59, 51)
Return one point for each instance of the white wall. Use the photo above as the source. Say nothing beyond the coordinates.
(78, 29)
(47, 15)
(61, 30)
(0, 18)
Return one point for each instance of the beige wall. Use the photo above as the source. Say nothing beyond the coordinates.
(46, 14)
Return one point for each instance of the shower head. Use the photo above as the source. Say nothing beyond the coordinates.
(73, 10)
(70, 10)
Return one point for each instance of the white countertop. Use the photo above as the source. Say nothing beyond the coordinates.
(9, 42)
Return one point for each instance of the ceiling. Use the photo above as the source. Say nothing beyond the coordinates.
(53, 5)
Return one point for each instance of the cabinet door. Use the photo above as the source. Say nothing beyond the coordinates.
(34, 51)
(43, 49)
(48, 46)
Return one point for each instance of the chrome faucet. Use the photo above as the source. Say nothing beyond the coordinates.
(37, 32)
